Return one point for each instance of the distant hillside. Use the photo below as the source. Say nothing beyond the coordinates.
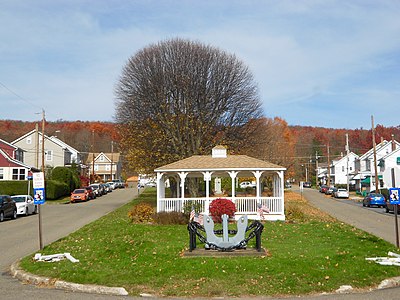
(79, 134)
(84, 135)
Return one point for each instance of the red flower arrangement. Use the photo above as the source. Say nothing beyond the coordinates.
(221, 206)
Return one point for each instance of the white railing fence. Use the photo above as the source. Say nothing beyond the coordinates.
(244, 205)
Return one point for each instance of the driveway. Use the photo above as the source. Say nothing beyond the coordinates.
(20, 237)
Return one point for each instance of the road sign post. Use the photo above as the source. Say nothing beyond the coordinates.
(394, 200)
(39, 199)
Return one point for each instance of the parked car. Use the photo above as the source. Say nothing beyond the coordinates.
(112, 185)
(79, 195)
(8, 208)
(374, 199)
(288, 185)
(246, 184)
(103, 189)
(390, 207)
(323, 188)
(329, 190)
(333, 193)
(151, 184)
(119, 184)
(307, 184)
(25, 204)
(108, 187)
(90, 191)
(96, 189)
(342, 193)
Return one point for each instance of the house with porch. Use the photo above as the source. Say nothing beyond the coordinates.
(220, 165)
(365, 175)
(106, 166)
(390, 169)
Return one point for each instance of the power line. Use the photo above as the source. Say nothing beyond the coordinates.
(18, 96)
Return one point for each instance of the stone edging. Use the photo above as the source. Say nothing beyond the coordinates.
(24, 276)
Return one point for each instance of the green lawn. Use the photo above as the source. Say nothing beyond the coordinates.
(304, 257)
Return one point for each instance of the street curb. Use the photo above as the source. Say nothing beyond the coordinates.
(24, 276)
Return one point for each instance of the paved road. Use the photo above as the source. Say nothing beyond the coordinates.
(20, 237)
(372, 220)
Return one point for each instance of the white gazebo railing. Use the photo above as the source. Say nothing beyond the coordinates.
(244, 205)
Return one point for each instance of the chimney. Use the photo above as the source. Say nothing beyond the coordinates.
(219, 152)
(393, 143)
(381, 139)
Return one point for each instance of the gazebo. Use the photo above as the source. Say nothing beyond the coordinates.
(217, 166)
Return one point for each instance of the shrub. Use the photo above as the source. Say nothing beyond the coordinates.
(141, 213)
(67, 176)
(15, 187)
(170, 218)
(55, 189)
(222, 206)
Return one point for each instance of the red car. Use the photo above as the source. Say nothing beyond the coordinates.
(79, 195)
(90, 192)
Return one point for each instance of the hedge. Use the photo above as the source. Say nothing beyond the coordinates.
(67, 176)
(54, 189)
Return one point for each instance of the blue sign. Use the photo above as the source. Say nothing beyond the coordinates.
(39, 196)
(394, 195)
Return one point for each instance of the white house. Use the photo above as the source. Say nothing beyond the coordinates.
(106, 166)
(342, 170)
(218, 165)
(365, 177)
(390, 169)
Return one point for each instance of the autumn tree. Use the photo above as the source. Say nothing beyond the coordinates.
(180, 98)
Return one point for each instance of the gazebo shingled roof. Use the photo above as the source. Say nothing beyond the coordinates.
(207, 162)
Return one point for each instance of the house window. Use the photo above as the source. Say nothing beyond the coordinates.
(342, 168)
(1, 173)
(102, 158)
(18, 174)
(351, 168)
(29, 140)
(108, 168)
(398, 160)
(96, 167)
(49, 155)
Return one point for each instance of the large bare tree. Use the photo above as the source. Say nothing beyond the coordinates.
(179, 98)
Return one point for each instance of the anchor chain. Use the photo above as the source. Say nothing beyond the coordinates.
(255, 229)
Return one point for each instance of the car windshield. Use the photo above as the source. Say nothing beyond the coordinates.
(18, 199)
(79, 191)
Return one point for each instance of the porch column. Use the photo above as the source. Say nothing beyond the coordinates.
(160, 190)
(233, 175)
(182, 176)
(257, 175)
(207, 179)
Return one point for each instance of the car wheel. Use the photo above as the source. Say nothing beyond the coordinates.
(363, 204)
(14, 216)
(1, 216)
(386, 209)
(26, 211)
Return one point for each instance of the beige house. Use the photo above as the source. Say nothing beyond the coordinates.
(107, 166)
(56, 154)
(217, 166)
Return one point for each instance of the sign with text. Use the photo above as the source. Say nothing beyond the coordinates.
(394, 195)
(38, 188)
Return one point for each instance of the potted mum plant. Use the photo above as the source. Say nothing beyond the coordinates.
(221, 206)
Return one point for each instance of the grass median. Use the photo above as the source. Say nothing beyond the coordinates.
(309, 253)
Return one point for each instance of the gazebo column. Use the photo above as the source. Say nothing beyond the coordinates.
(233, 175)
(182, 176)
(207, 179)
(160, 190)
(257, 175)
(278, 189)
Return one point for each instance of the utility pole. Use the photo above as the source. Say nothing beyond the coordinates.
(377, 189)
(92, 157)
(347, 160)
(39, 212)
(316, 168)
(329, 167)
(111, 169)
(37, 145)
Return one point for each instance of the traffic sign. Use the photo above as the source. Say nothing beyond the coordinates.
(38, 188)
(394, 195)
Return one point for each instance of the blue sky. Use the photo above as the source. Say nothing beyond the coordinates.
(317, 63)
